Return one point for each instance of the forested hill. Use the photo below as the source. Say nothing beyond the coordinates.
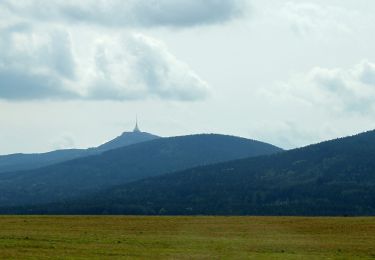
(331, 178)
(16, 162)
(119, 166)
(127, 138)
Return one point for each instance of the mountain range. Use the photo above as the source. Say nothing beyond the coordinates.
(203, 175)
(336, 177)
(94, 173)
(15, 162)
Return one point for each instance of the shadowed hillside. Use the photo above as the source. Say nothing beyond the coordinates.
(331, 178)
(123, 165)
(16, 162)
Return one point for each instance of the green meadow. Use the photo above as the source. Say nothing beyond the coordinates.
(122, 237)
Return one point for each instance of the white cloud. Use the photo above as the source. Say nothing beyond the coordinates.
(318, 105)
(366, 73)
(137, 66)
(43, 60)
(338, 90)
(35, 64)
(307, 17)
(131, 13)
(65, 141)
(44, 63)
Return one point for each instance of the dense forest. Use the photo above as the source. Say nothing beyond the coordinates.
(18, 162)
(119, 166)
(331, 178)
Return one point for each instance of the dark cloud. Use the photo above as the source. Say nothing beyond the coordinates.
(137, 66)
(132, 13)
(45, 60)
(16, 85)
(40, 64)
(34, 65)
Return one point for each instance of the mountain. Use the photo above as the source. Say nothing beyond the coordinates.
(16, 162)
(118, 166)
(19, 161)
(331, 178)
(127, 138)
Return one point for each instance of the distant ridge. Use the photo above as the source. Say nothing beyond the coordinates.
(16, 162)
(118, 166)
(333, 178)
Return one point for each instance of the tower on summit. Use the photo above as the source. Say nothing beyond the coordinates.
(136, 128)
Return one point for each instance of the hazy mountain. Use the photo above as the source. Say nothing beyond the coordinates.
(15, 162)
(126, 164)
(127, 138)
(19, 161)
(331, 178)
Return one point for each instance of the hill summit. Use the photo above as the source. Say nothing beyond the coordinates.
(127, 138)
(16, 162)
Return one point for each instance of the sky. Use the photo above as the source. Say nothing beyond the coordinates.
(74, 74)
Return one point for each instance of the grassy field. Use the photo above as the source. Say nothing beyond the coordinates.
(41, 237)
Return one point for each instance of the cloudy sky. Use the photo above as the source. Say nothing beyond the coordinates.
(76, 73)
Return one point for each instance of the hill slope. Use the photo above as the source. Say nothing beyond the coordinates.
(19, 161)
(127, 138)
(119, 166)
(332, 178)
(16, 162)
